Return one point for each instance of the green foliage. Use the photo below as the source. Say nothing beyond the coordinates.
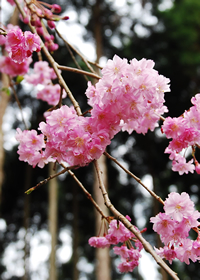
(6, 90)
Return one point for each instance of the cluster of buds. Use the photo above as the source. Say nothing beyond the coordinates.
(35, 12)
(38, 11)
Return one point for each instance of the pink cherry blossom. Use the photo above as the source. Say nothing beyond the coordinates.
(99, 242)
(166, 253)
(163, 224)
(21, 45)
(13, 69)
(186, 252)
(178, 206)
(51, 94)
(117, 232)
(127, 266)
(32, 41)
(182, 166)
(115, 68)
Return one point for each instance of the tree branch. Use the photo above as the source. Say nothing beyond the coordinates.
(135, 177)
(79, 71)
(82, 57)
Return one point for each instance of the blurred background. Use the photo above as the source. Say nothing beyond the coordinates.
(59, 213)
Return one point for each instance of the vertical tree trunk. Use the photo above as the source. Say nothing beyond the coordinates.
(26, 222)
(53, 206)
(75, 256)
(4, 98)
(3, 105)
(102, 255)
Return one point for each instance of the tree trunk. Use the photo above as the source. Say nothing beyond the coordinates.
(3, 105)
(102, 255)
(26, 222)
(4, 99)
(75, 256)
(53, 209)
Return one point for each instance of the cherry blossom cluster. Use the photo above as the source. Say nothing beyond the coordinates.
(20, 45)
(31, 148)
(42, 74)
(68, 138)
(185, 133)
(129, 96)
(174, 225)
(13, 69)
(118, 233)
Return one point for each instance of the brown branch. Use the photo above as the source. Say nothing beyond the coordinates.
(129, 226)
(74, 59)
(95, 64)
(3, 31)
(135, 177)
(79, 71)
(88, 195)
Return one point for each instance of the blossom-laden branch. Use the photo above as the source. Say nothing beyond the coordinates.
(129, 96)
(130, 227)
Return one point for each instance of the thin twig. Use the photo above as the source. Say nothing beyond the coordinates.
(135, 177)
(129, 226)
(79, 71)
(74, 59)
(95, 64)
(3, 31)
(73, 48)
(49, 178)
(162, 118)
(18, 102)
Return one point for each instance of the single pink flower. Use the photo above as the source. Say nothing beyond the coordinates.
(166, 253)
(98, 242)
(179, 206)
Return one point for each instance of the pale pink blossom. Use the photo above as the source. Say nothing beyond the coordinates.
(166, 253)
(182, 166)
(127, 266)
(179, 206)
(185, 252)
(98, 242)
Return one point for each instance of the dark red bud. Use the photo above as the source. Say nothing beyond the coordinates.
(56, 8)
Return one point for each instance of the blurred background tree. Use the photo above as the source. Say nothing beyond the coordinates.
(170, 36)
